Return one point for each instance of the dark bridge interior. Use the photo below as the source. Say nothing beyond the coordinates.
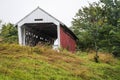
(40, 33)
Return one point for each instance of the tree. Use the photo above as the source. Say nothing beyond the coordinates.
(112, 11)
(116, 43)
(101, 22)
(88, 20)
(9, 33)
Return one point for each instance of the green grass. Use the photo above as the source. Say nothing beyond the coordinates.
(42, 63)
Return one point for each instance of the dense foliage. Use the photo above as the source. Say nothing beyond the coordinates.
(98, 26)
(9, 33)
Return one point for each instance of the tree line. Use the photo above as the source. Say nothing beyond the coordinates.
(98, 27)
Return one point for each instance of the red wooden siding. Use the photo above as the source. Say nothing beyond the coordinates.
(67, 41)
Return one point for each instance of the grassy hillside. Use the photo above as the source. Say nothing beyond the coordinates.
(42, 63)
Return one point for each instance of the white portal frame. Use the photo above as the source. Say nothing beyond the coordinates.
(38, 13)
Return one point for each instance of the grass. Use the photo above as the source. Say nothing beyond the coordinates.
(42, 63)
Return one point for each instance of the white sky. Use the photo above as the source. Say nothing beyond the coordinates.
(64, 10)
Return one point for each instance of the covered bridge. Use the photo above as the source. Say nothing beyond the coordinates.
(39, 27)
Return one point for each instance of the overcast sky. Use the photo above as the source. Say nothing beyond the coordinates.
(64, 10)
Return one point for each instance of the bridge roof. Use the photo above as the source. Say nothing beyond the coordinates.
(40, 16)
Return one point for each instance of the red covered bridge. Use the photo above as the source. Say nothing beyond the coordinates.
(40, 27)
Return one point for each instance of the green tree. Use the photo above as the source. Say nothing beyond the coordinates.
(98, 26)
(88, 20)
(116, 43)
(112, 13)
(9, 33)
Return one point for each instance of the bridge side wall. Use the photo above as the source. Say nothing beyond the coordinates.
(67, 40)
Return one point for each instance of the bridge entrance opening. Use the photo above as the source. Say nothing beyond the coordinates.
(39, 33)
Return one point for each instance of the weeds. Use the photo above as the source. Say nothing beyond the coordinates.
(43, 63)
